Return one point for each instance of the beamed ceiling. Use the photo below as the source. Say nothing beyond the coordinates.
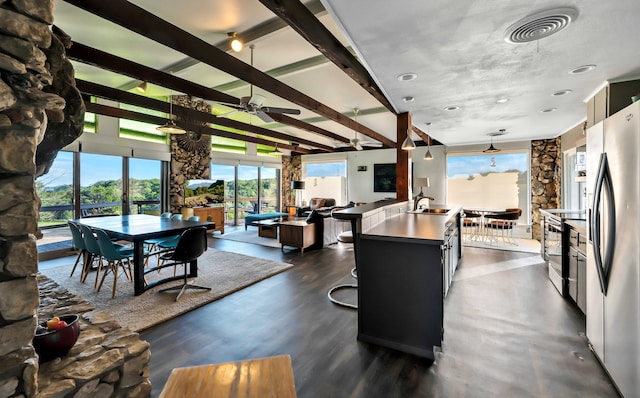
(330, 58)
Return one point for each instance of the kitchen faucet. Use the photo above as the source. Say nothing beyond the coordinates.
(418, 198)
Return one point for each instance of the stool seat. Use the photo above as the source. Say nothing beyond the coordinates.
(346, 237)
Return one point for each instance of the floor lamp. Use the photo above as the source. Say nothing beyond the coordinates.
(297, 186)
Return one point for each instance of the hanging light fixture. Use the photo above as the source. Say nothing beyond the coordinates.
(491, 148)
(236, 43)
(428, 155)
(408, 144)
(170, 127)
(142, 87)
(276, 151)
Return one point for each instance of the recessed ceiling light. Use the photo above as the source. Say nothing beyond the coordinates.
(408, 98)
(582, 69)
(561, 92)
(405, 77)
(502, 100)
(452, 108)
(548, 110)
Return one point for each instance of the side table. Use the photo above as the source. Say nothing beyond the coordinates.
(268, 228)
(298, 234)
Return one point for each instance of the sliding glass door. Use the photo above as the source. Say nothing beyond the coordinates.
(144, 186)
(100, 184)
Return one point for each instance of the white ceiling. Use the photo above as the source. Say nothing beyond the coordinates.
(456, 49)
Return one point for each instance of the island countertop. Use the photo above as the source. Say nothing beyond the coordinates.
(418, 226)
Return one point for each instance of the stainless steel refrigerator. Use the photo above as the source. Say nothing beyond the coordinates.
(613, 250)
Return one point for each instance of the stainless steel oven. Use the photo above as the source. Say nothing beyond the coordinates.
(552, 249)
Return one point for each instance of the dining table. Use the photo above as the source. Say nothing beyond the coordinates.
(137, 228)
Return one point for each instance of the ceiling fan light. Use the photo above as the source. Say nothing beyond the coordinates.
(408, 144)
(171, 128)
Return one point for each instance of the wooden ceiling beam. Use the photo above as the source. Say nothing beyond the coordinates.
(421, 134)
(186, 113)
(141, 117)
(303, 21)
(89, 55)
(138, 20)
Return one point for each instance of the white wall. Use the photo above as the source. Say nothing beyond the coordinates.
(360, 183)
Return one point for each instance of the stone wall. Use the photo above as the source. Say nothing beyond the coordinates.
(190, 154)
(24, 34)
(106, 361)
(546, 179)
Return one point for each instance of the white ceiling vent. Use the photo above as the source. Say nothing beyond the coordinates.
(539, 25)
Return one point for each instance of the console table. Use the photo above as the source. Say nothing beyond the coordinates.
(211, 214)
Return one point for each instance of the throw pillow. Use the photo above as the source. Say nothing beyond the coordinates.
(316, 203)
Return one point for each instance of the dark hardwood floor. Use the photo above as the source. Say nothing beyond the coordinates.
(507, 333)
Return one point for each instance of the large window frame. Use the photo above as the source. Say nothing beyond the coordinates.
(325, 179)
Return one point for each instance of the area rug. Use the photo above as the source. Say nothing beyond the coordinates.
(224, 272)
(249, 236)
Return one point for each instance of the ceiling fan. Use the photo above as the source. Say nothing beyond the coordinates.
(356, 142)
(252, 104)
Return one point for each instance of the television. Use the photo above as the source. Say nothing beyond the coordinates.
(384, 177)
(203, 192)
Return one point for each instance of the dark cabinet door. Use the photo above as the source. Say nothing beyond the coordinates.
(582, 282)
(573, 274)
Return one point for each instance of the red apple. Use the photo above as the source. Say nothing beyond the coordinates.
(61, 325)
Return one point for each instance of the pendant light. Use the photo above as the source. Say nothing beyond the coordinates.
(491, 148)
(408, 144)
(170, 127)
(428, 155)
(276, 151)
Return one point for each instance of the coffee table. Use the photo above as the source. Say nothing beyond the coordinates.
(268, 228)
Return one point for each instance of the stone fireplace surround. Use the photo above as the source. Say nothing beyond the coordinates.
(41, 112)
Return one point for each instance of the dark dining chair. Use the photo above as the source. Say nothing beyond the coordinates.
(191, 244)
(78, 243)
(503, 222)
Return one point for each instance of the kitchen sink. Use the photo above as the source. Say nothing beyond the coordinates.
(435, 211)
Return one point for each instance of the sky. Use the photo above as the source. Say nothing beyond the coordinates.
(464, 166)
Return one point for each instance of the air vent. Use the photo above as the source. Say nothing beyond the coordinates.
(540, 25)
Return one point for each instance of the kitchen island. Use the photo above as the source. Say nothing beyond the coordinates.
(405, 262)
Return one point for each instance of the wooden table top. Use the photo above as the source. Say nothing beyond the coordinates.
(263, 377)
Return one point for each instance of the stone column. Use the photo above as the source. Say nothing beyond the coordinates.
(190, 154)
(291, 171)
(546, 179)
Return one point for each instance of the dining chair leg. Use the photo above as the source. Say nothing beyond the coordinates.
(76, 264)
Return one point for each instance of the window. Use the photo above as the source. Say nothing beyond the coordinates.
(325, 180)
(491, 181)
(100, 184)
(55, 190)
(144, 186)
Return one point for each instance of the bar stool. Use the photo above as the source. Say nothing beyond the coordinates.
(505, 222)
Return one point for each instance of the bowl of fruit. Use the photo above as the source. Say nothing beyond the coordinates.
(56, 336)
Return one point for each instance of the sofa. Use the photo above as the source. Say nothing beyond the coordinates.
(321, 205)
(327, 228)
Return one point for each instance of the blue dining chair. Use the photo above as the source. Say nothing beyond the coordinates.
(115, 259)
(93, 249)
(78, 244)
(166, 214)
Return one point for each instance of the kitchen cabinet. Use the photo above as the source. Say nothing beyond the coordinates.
(211, 214)
(611, 99)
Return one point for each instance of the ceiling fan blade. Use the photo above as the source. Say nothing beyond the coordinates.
(371, 144)
(288, 111)
(230, 105)
(229, 113)
(263, 116)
